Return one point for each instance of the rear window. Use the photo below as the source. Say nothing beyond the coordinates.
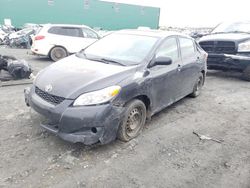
(187, 47)
(66, 31)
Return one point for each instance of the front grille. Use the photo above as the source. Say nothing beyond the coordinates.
(48, 97)
(219, 47)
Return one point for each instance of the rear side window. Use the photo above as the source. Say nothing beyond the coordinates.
(187, 47)
(89, 34)
(169, 49)
(66, 31)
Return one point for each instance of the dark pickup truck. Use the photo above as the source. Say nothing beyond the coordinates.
(228, 48)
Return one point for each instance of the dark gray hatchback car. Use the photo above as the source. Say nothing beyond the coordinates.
(110, 88)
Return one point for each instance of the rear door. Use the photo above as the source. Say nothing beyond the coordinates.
(68, 37)
(164, 78)
(190, 66)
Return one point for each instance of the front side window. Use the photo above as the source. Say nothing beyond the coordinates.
(187, 47)
(89, 34)
(66, 31)
(169, 49)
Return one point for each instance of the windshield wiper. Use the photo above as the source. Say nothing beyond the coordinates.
(219, 32)
(239, 32)
(231, 32)
(105, 60)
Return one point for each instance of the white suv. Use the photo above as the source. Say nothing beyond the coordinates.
(58, 41)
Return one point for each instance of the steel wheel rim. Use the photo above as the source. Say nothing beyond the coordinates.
(59, 53)
(133, 124)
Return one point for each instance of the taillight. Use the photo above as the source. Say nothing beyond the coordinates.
(39, 37)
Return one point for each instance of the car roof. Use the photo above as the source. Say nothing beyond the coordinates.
(152, 33)
(64, 25)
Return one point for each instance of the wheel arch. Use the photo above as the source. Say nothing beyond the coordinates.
(146, 100)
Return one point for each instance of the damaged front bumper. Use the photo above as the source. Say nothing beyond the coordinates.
(236, 62)
(85, 124)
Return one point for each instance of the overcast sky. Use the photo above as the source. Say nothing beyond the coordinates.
(197, 13)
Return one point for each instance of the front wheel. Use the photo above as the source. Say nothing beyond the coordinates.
(198, 86)
(246, 74)
(58, 53)
(133, 122)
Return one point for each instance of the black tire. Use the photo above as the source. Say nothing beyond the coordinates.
(58, 53)
(133, 122)
(246, 74)
(198, 86)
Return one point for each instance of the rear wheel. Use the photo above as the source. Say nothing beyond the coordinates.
(133, 122)
(246, 74)
(58, 53)
(198, 86)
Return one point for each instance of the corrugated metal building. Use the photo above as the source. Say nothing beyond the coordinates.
(95, 13)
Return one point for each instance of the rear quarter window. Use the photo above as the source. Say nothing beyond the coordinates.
(66, 31)
(187, 47)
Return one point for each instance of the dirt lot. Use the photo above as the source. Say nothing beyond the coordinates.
(167, 154)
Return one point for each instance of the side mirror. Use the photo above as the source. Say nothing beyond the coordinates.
(197, 35)
(161, 61)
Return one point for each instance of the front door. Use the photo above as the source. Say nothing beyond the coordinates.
(164, 78)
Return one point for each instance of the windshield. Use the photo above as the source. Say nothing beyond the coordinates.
(125, 48)
(233, 27)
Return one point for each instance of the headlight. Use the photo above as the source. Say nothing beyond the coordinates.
(97, 97)
(244, 46)
(34, 76)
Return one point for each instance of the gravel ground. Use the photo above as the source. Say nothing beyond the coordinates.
(166, 154)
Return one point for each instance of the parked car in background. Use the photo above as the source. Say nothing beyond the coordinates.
(21, 38)
(2, 35)
(228, 47)
(31, 25)
(59, 40)
(108, 89)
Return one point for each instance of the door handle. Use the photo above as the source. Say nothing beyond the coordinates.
(179, 67)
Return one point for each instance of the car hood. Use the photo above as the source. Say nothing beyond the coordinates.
(236, 37)
(73, 76)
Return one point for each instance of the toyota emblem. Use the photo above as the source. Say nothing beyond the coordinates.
(48, 88)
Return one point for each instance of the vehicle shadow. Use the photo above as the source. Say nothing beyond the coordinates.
(79, 148)
(224, 74)
(41, 59)
(70, 155)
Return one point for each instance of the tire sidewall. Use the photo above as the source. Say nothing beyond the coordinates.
(246, 73)
(129, 107)
(53, 57)
(195, 91)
